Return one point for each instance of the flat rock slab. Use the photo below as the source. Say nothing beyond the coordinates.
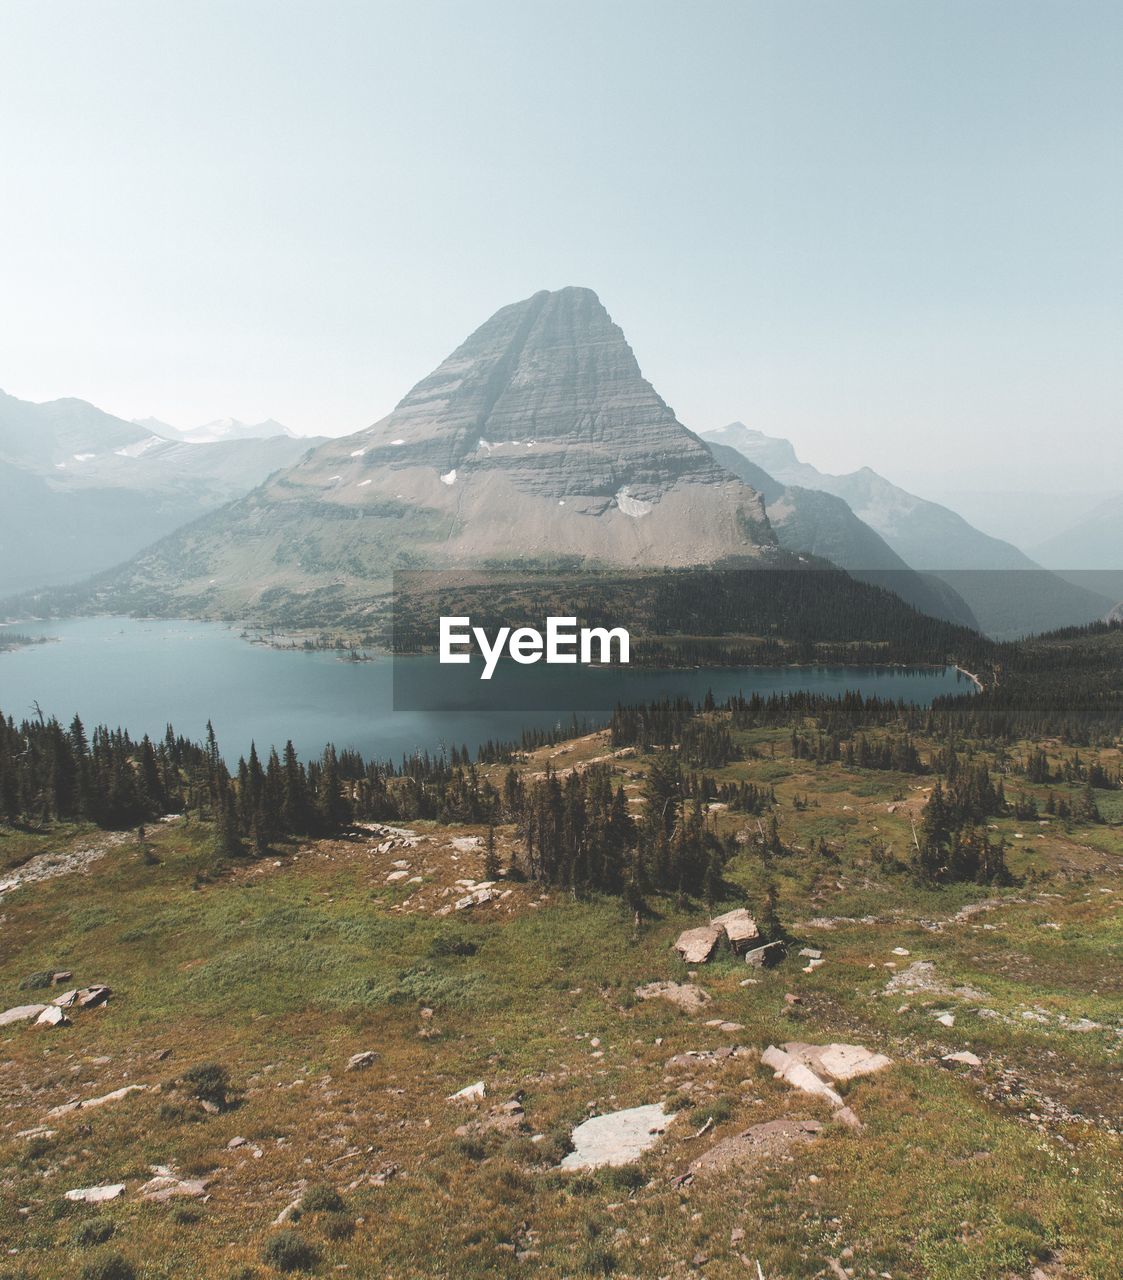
(79, 1105)
(761, 1142)
(697, 945)
(470, 1093)
(838, 1061)
(799, 1075)
(617, 1138)
(96, 1195)
(21, 1013)
(739, 927)
(684, 995)
(166, 1184)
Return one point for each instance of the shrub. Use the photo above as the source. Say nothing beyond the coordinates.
(719, 1110)
(35, 981)
(210, 1082)
(186, 1217)
(92, 1231)
(289, 1251)
(111, 1266)
(320, 1198)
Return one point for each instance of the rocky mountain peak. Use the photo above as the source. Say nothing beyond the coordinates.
(543, 415)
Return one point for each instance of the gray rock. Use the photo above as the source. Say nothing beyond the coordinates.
(166, 1184)
(96, 1195)
(766, 956)
(620, 1137)
(739, 927)
(21, 1013)
(696, 946)
(362, 1060)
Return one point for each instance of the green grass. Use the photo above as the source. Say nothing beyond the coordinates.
(280, 974)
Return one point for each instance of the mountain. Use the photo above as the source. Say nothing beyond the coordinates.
(222, 430)
(1093, 542)
(932, 538)
(820, 524)
(536, 442)
(1025, 517)
(82, 490)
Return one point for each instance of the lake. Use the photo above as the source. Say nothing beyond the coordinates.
(143, 674)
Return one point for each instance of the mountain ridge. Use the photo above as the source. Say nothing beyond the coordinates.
(82, 490)
(1007, 591)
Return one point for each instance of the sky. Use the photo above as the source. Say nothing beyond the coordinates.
(889, 231)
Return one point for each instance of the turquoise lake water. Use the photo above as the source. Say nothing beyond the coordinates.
(144, 674)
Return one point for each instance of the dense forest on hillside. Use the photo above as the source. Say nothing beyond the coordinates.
(710, 617)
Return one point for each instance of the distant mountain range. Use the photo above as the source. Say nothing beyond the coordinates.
(821, 524)
(82, 490)
(536, 443)
(1006, 591)
(1095, 541)
(222, 430)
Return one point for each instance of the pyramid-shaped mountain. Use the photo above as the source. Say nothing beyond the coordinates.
(537, 442)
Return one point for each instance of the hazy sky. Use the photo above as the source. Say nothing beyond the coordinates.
(890, 231)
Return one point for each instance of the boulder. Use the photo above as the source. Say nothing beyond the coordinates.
(620, 1137)
(838, 1061)
(739, 927)
(800, 1076)
(766, 956)
(165, 1184)
(52, 1016)
(362, 1060)
(96, 1195)
(696, 946)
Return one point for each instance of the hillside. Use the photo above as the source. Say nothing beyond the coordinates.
(82, 490)
(1007, 592)
(821, 524)
(305, 1058)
